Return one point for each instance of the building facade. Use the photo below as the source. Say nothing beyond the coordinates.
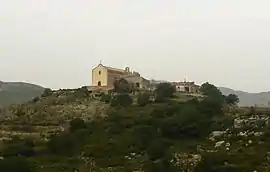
(104, 76)
(137, 80)
(188, 87)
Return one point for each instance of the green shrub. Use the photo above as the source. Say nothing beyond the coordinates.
(77, 124)
(156, 150)
(47, 92)
(105, 98)
(122, 100)
(15, 164)
(212, 93)
(122, 86)
(36, 99)
(159, 98)
(161, 165)
(232, 99)
(215, 162)
(143, 99)
(62, 144)
(82, 92)
(18, 147)
(165, 90)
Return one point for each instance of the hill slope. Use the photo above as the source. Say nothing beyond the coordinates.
(249, 99)
(194, 136)
(18, 92)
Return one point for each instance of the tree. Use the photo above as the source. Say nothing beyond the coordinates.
(82, 92)
(164, 90)
(47, 92)
(122, 86)
(121, 100)
(212, 92)
(232, 99)
(187, 121)
(77, 124)
(143, 99)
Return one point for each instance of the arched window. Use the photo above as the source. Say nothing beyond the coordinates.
(99, 72)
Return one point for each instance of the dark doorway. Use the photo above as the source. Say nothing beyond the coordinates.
(137, 85)
(187, 89)
(99, 83)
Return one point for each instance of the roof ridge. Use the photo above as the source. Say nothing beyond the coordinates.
(113, 68)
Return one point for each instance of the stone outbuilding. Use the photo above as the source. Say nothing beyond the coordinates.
(188, 87)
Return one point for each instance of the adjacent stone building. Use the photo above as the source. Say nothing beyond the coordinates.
(137, 80)
(188, 87)
(104, 77)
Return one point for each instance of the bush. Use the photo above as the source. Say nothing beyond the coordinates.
(232, 99)
(157, 149)
(77, 124)
(215, 162)
(122, 100)
(18, 147)
(82, 92)
(61, 144)
(161, 165)
(212, 92)
(164, 91)
(47, 92)
(122, 86)
(15, 164)
(36, 99)
(105, 98)
(159, 98)
(143, 99)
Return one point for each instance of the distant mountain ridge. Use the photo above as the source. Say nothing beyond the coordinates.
(249, 99)
(18, 92)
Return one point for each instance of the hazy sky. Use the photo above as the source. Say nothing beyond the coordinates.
(55, 43)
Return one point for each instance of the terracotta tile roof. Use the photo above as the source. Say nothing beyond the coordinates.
(115, 69)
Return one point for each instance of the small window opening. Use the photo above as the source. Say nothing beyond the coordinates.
(187, 89)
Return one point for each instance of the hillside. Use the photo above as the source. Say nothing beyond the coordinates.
(65, 130)
(249, 99)
(18, 92)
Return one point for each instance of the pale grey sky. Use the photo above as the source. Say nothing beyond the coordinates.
(55, 43)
